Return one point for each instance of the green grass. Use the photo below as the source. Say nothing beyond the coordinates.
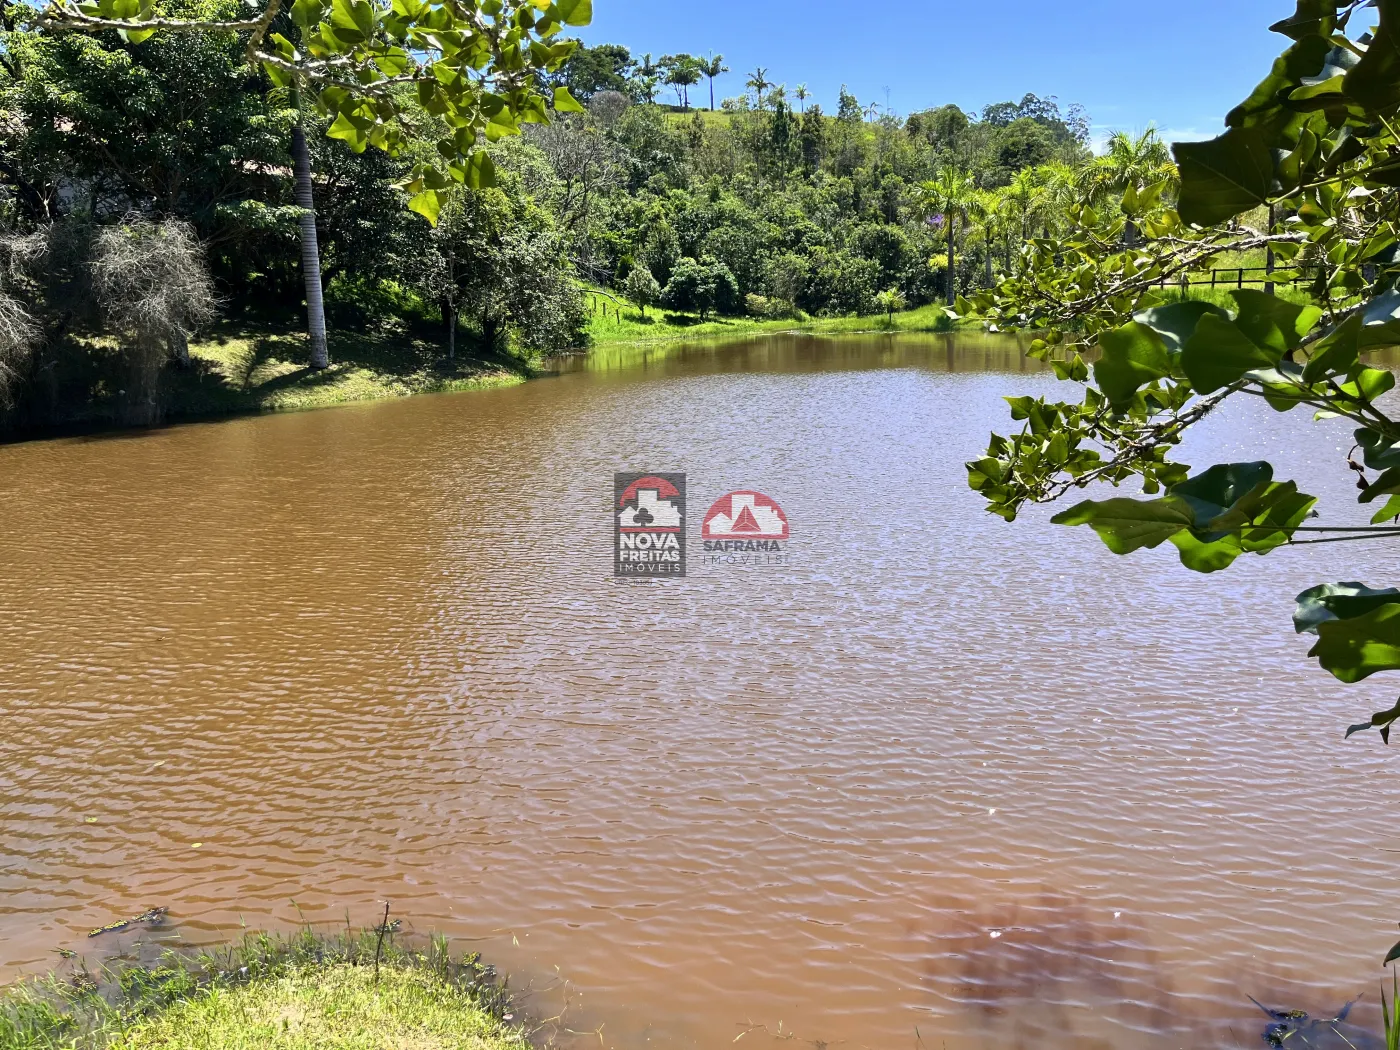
(260, 370)
(1221, 296)
(334, 1008)
(606, 327)
(307, 992)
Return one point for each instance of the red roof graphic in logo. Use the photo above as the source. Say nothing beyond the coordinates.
(745, 516)
(663, 489)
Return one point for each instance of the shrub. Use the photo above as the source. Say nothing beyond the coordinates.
(641, 287)
(769, 308)
(702, 286)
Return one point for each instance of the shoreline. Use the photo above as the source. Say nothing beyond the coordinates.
(297, 990)
(245, 369)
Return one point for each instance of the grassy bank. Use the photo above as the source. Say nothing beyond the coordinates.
(611, 322)
(266, 993)
(251, 370)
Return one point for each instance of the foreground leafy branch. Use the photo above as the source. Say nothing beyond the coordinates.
(469, 67)
(1307, 172)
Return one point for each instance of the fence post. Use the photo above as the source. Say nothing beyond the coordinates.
(1240, 282)
(1213, 272)
(1269, 258)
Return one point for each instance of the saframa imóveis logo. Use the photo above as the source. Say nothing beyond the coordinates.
(745, 528)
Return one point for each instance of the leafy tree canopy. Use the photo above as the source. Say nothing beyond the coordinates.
(473, 65)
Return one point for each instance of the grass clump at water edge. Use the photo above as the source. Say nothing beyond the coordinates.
(306, 992)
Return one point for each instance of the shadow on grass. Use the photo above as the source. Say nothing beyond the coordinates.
(689, 321)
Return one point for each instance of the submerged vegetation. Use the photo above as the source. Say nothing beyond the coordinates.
(343, 992)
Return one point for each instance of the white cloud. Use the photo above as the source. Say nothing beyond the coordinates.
(1099, 134)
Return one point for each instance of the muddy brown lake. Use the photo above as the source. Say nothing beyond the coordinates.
(938, 781)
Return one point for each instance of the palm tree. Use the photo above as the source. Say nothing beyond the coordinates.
(650, 72)
(759, 83)
(713, 67)
(1129, 162)
(1027, 197)
(949, 196)
(310, 247)
(987, 209)
(802, 96)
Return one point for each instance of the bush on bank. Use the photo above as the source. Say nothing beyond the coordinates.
(306, 992)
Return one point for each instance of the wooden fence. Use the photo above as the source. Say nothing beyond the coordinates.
(1234, 277)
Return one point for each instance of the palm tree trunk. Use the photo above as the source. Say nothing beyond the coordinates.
(310, 250)
(989, 258)
(949, 289)
(712, 94)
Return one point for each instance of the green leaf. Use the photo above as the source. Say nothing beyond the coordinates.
(351, 17)
(1281, 385)
(565, 102)
(1132, 356)
(1306, 58)
(1220, 353)
(392, 61)
(1375, 81)
(481, 172)
(1273, 323)
(1387, 484)
(1370, 383)
(1336, 353)
(1338, 601)
(1280, 509)
(1176, 321)
(1222, 486)
(1207, 555)
(306, 13)
(1313, 18)
(1323, 89)
(1391, 956)
(573, 12)
(1126, 525)
(345, 129)
(427, 204)
(1389, 512)
(1225, 176)
(1354, 649)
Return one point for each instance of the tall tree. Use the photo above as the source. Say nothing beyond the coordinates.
(682, 72)
(1130, 161)
(713, 67)
(758, 83)
(949, 196)
(648, 75)
(802, 95)
(352, 52)
(310, 246)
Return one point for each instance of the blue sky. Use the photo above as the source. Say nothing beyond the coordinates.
(1129, 62)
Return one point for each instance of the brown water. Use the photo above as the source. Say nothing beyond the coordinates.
(941, 781)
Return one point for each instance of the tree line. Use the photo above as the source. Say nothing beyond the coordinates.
(212, 165)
